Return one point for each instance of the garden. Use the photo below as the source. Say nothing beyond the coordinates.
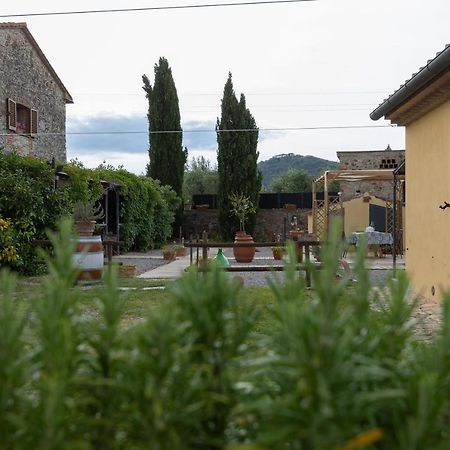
(206, 364)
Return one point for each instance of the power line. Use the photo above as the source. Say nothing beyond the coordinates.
(247, 94)
(152, 8)
(244, 130)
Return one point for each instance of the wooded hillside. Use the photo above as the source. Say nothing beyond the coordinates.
(279, 164)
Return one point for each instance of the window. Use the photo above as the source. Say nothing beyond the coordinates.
(22, 118)
(389, 163)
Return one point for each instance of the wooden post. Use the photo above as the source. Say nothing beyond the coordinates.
(204, 252)
(314, 208)
(307, 272)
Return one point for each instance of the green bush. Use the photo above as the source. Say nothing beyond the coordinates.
(147, 208)
(30, 202)
(331, 373)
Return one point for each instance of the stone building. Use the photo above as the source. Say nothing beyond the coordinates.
(365, 160)
(32, 97)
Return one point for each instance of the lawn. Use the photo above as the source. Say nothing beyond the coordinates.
(142, 296)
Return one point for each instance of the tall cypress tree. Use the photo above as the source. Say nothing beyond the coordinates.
(167, 156)
(237, 158)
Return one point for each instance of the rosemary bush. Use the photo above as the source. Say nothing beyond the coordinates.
(338, 369)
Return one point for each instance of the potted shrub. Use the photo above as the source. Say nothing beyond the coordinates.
(127, 270)
(242, 207)
(85, 215)
(169, 252)
(278, 252)
(180, 250)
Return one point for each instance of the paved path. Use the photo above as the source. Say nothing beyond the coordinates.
(170, 271)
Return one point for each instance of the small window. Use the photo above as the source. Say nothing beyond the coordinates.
(21, 118)
(389, 163)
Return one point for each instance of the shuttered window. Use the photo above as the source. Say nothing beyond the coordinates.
(34, 122)
(12, 114)
(21, 118)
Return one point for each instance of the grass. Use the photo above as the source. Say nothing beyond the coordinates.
(139, 301)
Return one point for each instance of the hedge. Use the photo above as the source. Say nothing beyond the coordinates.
(31, 204)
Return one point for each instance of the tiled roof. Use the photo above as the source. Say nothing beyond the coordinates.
(433, 69)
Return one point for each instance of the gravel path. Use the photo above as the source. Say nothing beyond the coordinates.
(143, 261)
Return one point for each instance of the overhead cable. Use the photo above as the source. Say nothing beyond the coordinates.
(151, 8)
(243, 130)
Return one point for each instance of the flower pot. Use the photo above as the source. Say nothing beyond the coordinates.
(277, 253)
(127, 271)
(84, 227)
(170, 255)
(243, 254)
(180, 251)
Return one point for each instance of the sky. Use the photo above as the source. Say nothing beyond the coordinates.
(315, 64)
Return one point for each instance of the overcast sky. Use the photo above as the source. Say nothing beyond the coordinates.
(310, 64)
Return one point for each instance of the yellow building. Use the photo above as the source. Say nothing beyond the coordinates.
(422, 105)
(357, 213)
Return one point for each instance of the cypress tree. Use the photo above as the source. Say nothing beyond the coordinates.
(166, 153)
(237, 158)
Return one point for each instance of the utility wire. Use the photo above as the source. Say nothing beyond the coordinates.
(244, 130)
(152, 8)
(247, 94)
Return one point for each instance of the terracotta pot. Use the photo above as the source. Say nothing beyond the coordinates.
(277, 253)
(243, 254)
(127, 271)
(85, 228)
(180, 252)
(170, 255)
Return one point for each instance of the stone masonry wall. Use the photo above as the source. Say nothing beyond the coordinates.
(369, 160)
(269, 222)
(24, 78)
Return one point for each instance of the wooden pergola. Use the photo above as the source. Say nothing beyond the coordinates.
(331, 204)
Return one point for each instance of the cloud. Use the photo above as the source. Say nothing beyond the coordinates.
(128, 134)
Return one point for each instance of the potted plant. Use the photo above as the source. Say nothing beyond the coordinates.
(180, 250)
(278, 252)
(127, 270)
(85, 215)
(242, 207)
(295, 230)
(169, 252)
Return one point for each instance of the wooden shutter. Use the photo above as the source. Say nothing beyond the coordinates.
(33, 122)
(12, 115)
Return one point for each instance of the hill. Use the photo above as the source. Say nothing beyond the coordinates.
(279, 164)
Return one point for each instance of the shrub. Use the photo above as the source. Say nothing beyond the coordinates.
(147, 208)
(32, 205)
(331, 373)
(30, 202)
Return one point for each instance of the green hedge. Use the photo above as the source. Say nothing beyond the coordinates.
(147, 208)
(31, 204)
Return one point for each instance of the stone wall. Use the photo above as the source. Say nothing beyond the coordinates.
(388, 159)
(269, 222)
(24, 78)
